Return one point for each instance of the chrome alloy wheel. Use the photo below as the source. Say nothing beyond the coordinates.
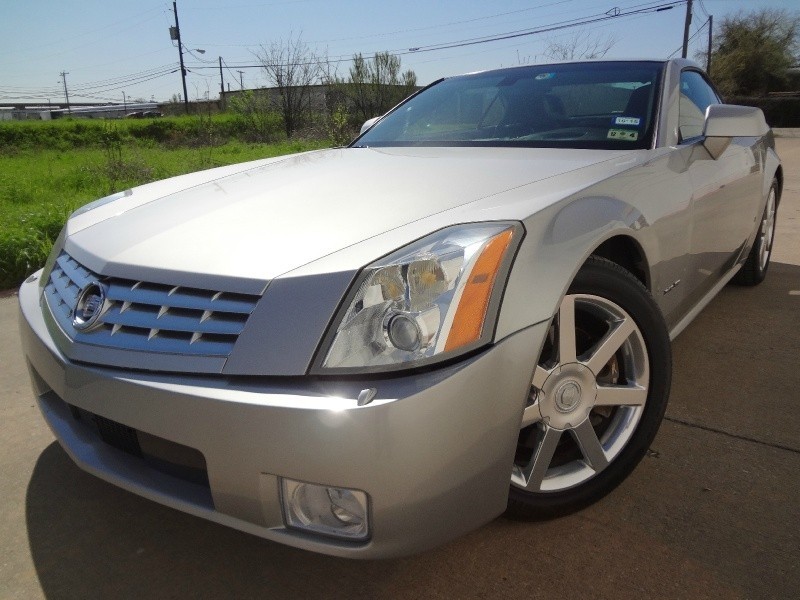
(766, 233)
(592, 383)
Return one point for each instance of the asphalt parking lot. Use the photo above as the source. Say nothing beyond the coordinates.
(713, 511)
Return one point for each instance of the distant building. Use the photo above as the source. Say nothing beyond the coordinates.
(17, 112)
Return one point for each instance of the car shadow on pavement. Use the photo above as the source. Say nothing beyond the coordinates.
(89, 539)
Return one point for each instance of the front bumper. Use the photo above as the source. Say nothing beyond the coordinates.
(433, 451)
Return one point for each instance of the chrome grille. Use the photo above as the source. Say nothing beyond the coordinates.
(150, 317)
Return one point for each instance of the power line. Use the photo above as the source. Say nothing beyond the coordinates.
(413, 30)
(612, 14)
(93, 86)
(615, 13)
(229, 69)
(122, 79)
(132, 82)
(644, 7)
(116, 83)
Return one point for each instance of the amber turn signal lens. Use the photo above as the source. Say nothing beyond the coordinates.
(474, 303)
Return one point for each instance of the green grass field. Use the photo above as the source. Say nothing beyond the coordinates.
(49, 170)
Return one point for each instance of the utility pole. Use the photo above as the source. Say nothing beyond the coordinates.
(175, 34)
(710, 36)
(124, 103)
(221, 85)
(241, 81)
(66, 94)
(686, 25)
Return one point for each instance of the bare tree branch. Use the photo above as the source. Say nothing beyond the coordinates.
(582, 45)
(374, 85)
(292, 68)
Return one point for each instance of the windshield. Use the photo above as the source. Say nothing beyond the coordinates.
(605, 105)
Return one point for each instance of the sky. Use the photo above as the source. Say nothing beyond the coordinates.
(112, 50)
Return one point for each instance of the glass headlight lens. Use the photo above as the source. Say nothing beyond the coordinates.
(432, 298)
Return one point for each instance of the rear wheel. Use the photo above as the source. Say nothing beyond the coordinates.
(598, 395)
(754, 270)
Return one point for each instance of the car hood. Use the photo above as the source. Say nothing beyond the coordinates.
(254, 222)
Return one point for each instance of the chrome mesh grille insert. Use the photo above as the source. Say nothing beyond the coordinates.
(150, 317)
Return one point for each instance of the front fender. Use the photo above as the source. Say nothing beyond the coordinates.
(558, 242)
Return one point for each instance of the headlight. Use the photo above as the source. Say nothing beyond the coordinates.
(434, 299)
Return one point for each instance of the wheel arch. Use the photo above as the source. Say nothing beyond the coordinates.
(625, 251)
(779, 177)
(773, 169)
(557, 262)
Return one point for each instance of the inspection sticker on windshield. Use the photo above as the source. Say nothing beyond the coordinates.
(627, 121)
(623, 134)
(541, 76)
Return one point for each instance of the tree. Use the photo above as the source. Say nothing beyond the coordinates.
(292, 68)
(375, 85)
(752, 52)
(582, 45)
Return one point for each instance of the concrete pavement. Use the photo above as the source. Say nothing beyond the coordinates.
(712, 512)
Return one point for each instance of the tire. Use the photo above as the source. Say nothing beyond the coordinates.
(754, 270)
(598, 395)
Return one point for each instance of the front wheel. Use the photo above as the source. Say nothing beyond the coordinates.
(598, 394)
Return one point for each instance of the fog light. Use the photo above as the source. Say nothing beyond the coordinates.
(338, 512)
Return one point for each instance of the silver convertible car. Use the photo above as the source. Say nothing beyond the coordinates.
(367, 351)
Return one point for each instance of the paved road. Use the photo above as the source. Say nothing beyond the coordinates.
(712, 512)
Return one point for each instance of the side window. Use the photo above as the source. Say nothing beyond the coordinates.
(696, 95)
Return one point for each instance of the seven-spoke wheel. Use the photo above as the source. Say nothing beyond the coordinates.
(597, 396)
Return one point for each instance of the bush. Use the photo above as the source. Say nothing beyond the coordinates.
(250, 123)
(779, 111)
(338, 127)
(255, 120)
(24, 248)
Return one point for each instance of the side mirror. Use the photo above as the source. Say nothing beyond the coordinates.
(368, 124)
(727, 121)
